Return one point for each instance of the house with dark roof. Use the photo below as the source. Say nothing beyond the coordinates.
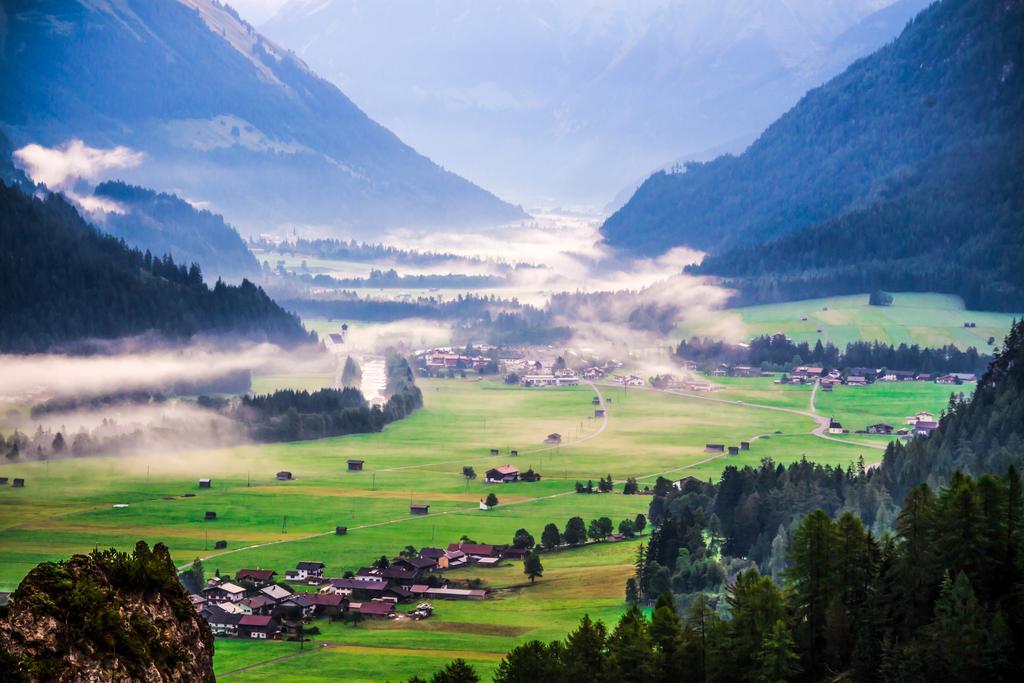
(276, 593)
(302, 602)
(224, 592)
(221, 622)
(258, 627)
(419, 564)
(475, 551)
(305, 570)
(260, 577)
(259, 604)
(925, 427)
(834, 427)
(355, 465)
(373, 609)
(880, 428)
(679, 484)
(325, 603)
(419, 509)
(505, 474)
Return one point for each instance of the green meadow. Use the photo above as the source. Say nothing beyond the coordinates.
(924, 319)
(67, 505)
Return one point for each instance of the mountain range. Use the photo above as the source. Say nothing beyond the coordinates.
(220, 115)
(567, 102)
(902, 173)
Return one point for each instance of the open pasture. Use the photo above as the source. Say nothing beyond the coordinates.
(67, 507)
(924, 319)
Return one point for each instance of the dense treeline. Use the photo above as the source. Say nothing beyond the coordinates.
(166, 224)
(288, 415)
(921, 140)
(776, 352)
(62, 281)
(478, 319)
(363, 252)
(939, 599)
(390, 279)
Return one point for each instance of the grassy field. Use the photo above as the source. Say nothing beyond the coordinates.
(67, 505)
(925, 319)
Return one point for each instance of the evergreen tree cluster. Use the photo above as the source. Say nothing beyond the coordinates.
(93, 286)
(778, 352)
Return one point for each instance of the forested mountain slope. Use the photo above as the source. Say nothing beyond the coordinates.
(62, 281)
(166, 224)
(911, 156)
(222, 115)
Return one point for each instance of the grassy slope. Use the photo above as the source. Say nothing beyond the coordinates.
(925, 319)
(67, 507)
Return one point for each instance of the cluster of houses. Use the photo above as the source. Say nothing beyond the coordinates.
(253, 603)
(859, 377)
(629, 380)
(920, 424)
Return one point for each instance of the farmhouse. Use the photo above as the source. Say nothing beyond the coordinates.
(419, 509)
(260, 577)
(205, 483)
(418, 564)
(355, 465)
(925, 427)
(880, 428)
(502, 475)
(221, 622)
(305, 570)
(276, 593)
(436, 555)
(834, 427)
(259, 627)
(373, 609)
(224, 592)
(325, 602)
(475, 551)
(259, 604)
(284, 475)
(302, 602)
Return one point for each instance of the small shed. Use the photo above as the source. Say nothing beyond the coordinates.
(494, 451)
(220, 545)
(210, 514)
(596, 401)
(553, 438)
(419, 509)
(714, 448)
(744, 445)
(18, 483)
(734, 450)
(514, 453)
(284, 475)
(205, 483)
(599, 412)
(355, 465)
(340, 530)
(4, 481)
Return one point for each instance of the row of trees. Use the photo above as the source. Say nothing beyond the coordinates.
(777, 352)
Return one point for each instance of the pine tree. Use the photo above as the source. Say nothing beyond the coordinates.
(532, 566)
(778, 661)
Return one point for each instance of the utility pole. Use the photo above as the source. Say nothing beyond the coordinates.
(284, 525)
(206, 540)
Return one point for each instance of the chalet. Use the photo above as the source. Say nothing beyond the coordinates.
(259, 627)
(355, 465)
(260, 577)
(302, 602)
(276, 593)
(553, 438)
(475, 551)
(259, 604)
(306, 570)
(880, 428)
(224, 592)
(925, 427)
(220, 621)
(505, 474)
(324, 603)
(918, 417)
(419, 509)
(205, 483)
(734, 450)
(438, 556)
(210, 515)
(834, 427)
(679, 484)
(18, 483)
(744, 445)
(714, 448)
(373, 609)
(422, 591)
(417, 564)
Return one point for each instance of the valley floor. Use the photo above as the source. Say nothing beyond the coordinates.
(67, 505)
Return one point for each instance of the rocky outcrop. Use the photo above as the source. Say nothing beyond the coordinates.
(107, 616)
